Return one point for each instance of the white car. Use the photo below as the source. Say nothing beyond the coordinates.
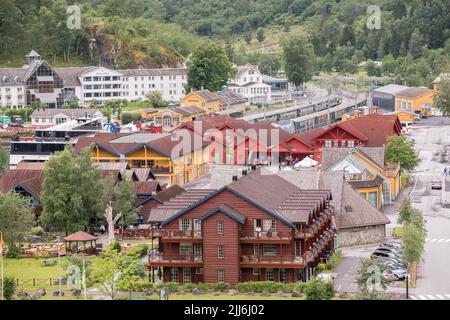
(436, 185)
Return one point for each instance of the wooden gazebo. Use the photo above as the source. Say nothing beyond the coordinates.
(77, 243)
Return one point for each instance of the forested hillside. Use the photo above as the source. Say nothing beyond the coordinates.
(126, 33)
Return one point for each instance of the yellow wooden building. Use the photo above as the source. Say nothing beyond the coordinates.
(172, 117)
(209, 101)
(171, 161)
(415, 100)
(375, 181)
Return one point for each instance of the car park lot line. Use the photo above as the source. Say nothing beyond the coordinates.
(430, 297)
(437, 240)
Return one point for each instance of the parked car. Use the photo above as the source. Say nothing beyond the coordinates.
(436, 185)
(395, 275)
(383, 254)
(390, 264)
(396, 246)
(390, 259)
(398, 252)
(417, 117)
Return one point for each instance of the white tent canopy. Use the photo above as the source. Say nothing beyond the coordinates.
(307, 162)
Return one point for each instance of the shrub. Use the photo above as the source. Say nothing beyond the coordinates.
(319, 290)
(220, 287)
(146, 287)
(37, 231)
(397, 232)
(139, 251)
(172, 286)
(334, 260)
(259, 287)
(9, 288)
(14, 252)
(116, 246)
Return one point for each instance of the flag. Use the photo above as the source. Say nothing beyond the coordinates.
(1, 243)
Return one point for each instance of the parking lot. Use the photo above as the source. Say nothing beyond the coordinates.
(430, 137)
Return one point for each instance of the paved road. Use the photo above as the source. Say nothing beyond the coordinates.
(433, 281)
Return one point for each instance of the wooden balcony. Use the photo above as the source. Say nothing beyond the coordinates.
(251, 236)
(174, 260)
(175, 235)
(306, 233)
(252, 261)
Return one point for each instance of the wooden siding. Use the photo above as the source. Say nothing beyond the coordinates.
(230, 242)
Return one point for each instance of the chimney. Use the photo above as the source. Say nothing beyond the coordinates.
(235, 178)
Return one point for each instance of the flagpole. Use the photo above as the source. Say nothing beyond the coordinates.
(84, 276)
(2, 265)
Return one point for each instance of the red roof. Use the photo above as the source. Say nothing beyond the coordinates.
(374, 129)
(80, 236)
(12, 178)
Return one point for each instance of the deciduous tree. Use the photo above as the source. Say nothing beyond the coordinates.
(16, 217)
(398, 149)
(298, 59)
(209, 68)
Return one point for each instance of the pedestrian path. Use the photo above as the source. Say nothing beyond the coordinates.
(438, 240)
(430, 296)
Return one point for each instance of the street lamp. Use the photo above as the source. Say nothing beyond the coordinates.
(407, 285)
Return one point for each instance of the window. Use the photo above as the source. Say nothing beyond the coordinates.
(328, 144)
(335, 144)
(185, 224)
(219, 227)
(220, 252)
(174, 275)
(269, 274)
(351, 144)
(185, 249)
(220, 275)
(198, 270)
(283, 275)
(269, 225)
(187, 275)
(256, 271)
(373, 199)
(343, 144)
(269, 250)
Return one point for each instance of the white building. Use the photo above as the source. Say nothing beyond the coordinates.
(12, 92)
(52, 117)
(248, 82)
(98, 84)
(170, 82)
(37, 81)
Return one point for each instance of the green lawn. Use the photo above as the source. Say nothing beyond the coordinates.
(27, 269)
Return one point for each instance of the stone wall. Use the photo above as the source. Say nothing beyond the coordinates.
(361, 235)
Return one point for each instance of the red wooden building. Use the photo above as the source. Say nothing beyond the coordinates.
(258, 228)
(371, 130)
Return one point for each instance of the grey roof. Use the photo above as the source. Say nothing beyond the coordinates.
(392, 89)
(229, 97)
(413, 92)
(33, 53)
(330, 156)
(153, 72)
(351, 209)
(269, 79)
(139, 138)
(70, 75)
(378, 180)
(207, 95)
(356, 211)
(78, 113)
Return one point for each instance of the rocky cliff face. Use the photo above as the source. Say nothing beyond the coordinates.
(106, 50)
